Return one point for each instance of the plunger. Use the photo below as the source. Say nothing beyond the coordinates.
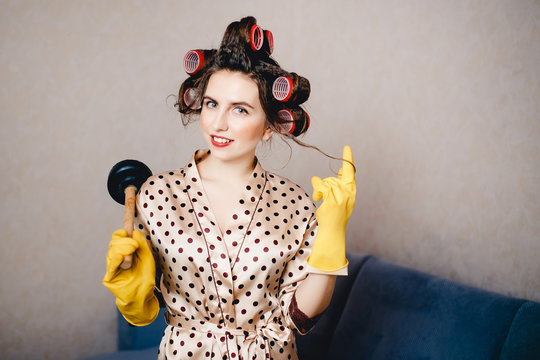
(125, 179)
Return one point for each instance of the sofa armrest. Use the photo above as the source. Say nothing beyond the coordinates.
(523, 340)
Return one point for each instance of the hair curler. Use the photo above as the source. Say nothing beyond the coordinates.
(294, 121)
(294, 88)
(268, 45)
(282, 88)
(194, 60)
(256, 37)
(190, 98)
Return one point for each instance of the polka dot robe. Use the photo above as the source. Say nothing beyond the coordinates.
(228, 293)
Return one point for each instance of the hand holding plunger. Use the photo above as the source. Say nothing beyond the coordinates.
(125, 179)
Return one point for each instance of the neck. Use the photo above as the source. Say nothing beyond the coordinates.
(212, 169)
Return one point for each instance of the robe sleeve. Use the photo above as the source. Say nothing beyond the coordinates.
(141, 224)
(295, 272)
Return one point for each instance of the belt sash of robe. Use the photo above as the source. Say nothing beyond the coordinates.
(264, 334)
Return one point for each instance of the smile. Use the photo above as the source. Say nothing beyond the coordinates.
(220, 141)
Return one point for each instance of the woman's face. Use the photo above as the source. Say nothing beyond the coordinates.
(232, 119)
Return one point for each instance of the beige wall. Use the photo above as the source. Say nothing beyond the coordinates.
(440, 101)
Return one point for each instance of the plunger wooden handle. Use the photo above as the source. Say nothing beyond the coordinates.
(125, 178)
(129, 217)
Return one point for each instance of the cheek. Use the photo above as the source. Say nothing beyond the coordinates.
(203, 121)
(250, 131)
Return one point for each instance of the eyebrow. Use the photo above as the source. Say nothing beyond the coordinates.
(206, 97)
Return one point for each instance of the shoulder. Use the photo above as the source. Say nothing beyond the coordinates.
(287, 189)
(164, 177)
(162, 182)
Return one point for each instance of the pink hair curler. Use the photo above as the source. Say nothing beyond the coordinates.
(257, 37)
(193, 61)
(282, 88)
(190, 96)
(295, 122)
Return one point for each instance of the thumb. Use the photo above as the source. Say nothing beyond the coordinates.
(143, 247)
(139, 238)
(317, 184)
(119, 247)
(113, 263)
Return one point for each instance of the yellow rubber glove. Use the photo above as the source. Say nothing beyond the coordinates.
(133, 287)
(338, 194)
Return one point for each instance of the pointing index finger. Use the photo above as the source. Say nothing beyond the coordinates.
(348, 168)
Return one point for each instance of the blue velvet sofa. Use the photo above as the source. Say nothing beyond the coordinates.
(384, 311)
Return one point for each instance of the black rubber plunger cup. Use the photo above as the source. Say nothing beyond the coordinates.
(125, 179)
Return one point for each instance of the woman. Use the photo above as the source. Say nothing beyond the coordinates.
(242, 258)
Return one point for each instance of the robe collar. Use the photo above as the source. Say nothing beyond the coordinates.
(245, 206)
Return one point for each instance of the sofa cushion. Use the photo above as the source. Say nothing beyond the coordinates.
(143, 354)
(140, 337)
(316, 344)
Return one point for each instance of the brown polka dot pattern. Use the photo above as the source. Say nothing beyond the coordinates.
(227, 294)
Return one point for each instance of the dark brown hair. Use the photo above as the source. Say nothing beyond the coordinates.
(237, 53)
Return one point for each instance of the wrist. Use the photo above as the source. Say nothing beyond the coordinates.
(328, 252)
(329, 238)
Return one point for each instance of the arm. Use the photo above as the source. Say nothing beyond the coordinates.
(133, 287)
(313, 295)
(327, 258)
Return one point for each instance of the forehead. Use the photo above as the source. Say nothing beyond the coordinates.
(232, 86)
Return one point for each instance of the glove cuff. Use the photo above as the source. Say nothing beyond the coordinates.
(326, 266)
(140, 314)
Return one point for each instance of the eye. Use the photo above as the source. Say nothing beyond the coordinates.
(211, 104)
(240, 110)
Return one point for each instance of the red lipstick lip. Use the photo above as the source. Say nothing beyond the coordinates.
(217, 144)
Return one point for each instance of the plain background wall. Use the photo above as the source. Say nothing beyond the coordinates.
(440, 101)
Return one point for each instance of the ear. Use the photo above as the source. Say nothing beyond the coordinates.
(268, 132)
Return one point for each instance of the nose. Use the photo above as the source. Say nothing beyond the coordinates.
(221, 121)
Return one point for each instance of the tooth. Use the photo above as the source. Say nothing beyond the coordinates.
(221, 140)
